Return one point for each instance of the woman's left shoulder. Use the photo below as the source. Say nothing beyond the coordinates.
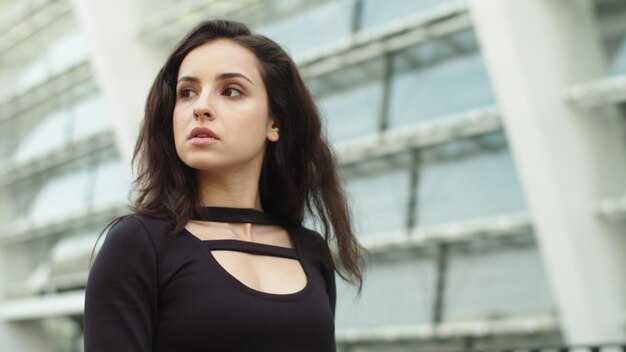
(310, 236)
(313, 242)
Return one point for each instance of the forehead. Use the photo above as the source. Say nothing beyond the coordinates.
(218, 56)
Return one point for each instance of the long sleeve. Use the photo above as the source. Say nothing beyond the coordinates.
(121, 295)
(329, 273)
(332, 290)
(325, 255)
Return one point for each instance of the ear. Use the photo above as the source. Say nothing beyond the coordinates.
(272, 130)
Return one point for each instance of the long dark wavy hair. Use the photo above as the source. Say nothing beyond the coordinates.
(299, 171)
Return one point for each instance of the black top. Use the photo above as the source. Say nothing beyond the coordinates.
(150, 292)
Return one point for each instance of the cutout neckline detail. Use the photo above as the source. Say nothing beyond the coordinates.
(229, 214)
(254, 247)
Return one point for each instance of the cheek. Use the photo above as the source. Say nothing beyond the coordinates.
(178, 124)
(179, 137)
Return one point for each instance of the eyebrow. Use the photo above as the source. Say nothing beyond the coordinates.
(218, 77)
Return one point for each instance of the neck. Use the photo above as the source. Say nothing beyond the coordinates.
(233, 189)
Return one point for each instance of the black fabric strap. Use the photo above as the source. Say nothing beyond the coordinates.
(251, 247)
(225, 214)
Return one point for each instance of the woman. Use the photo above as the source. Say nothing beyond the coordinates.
(214, 256)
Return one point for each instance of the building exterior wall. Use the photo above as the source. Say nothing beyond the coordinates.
(481, 143)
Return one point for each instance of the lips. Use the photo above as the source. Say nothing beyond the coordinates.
(202, 132)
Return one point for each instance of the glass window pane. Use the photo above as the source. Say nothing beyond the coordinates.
(70, 255)
(438, 78)
(377, 12)
(8, 210)
(61, 196)
(63, 53)
(23, 268)
(320, 25)
(16, 201)
(66, 52)
(113, 178)
(379, 194)
(27, 63)
(353, 113)
(9, 139)
(49, 134)
(399, 290)
(350, 100)
(617, 65)
(490, 278)
(613, 30)
(467, 179)
(90, 117)
(32, 75)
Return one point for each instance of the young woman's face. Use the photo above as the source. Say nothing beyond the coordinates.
(219, 87)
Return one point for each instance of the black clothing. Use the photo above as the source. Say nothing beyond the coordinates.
(150, 292)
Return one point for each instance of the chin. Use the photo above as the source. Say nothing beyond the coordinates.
(203, 165)
(207, 163)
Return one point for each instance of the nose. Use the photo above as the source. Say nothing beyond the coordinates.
(201, 111)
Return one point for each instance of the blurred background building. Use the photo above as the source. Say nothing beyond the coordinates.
(482, 143)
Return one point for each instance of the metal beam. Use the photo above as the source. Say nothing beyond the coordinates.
(598, 93)
(19, 232)
(490, 227)
(528, 325)
(31, 308)
(92, 144)
(447, 18)
(52, 87)
(438, 130)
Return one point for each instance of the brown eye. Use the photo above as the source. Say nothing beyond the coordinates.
(232, 92)
(185, 93)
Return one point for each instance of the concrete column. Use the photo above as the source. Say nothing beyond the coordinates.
(124, 65)
(568, 158)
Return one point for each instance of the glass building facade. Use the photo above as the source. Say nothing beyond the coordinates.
(409, 105)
